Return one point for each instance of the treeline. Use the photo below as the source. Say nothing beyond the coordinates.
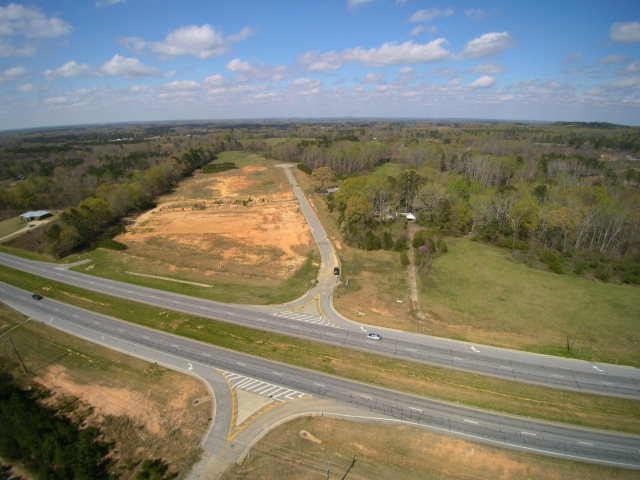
(564, 189)
(566, 213)
(48, 445)
(83, 225)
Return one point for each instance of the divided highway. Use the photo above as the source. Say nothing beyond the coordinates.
(608, 448)
(513, 365)
(596, 446)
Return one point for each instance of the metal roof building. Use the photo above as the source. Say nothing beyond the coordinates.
(35, 215)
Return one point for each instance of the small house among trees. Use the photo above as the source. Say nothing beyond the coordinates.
(35, 215)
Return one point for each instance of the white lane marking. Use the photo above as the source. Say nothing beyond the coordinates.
(586, 443)
(473, 422)
(528, 433)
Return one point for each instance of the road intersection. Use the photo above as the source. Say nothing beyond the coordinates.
(313, 317)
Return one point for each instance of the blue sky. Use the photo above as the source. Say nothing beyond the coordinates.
(66, 62)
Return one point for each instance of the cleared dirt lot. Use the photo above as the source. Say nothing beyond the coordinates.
(243, 224)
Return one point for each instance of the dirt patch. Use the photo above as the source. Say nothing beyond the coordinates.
(108, 400)
(240, 222)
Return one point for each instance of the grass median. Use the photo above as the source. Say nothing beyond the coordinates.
(447, 385)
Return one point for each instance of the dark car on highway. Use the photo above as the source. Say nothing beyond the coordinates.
(37, 296)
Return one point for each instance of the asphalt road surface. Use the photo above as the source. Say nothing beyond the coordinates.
(205, 361)
(596, 446)
(555, 372)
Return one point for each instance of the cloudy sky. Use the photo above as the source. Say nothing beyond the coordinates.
(66, 62)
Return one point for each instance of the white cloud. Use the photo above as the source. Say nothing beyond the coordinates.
(573, 57)
(627, 84)
(484, 81)
(321, 62)
(12, 74)
(7, 49)
(306, 83)
(197, 41)
(487, 45)
(397, 54)
(201, 42)
(27, 88)
(69, 70)
(357, 3)
(243, 34)
(108, 3)
(59, 100)
(611, 59)
(429, 14)
(373, 78)
(633, 67)
(626, 32)
(216, 80)
(307, 86)
(30, 25)
(182, 85)
(120, 66)
(417, 30)
(30, 22)
(238, 66)
(488, 69)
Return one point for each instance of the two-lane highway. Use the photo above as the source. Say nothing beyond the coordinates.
(596, 446)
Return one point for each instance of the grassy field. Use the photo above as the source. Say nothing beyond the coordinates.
(7, 227)
(146, 411)
(397, 453)
(484, 392)
(475, 293)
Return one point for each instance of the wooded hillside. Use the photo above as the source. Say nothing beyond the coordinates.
(564, 194)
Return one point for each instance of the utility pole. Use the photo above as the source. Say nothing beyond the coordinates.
(353, 462)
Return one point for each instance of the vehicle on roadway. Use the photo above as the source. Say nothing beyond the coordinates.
(374, 336)
(37, 296)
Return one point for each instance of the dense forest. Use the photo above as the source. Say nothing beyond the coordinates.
(47, 444)
(563, 194)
